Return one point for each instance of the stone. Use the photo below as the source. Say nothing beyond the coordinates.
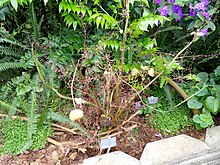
(213, 137)
(113, 158)
(173, 150)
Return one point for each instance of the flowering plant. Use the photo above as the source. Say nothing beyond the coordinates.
(198, 13)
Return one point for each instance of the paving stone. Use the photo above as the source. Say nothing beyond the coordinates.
(213, 137)
(211, 158)
(173, 150)
(113, 158)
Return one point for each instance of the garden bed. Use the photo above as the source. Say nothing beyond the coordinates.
(131, 142)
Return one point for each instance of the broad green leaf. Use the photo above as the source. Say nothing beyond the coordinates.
(212, 104)
(203, 76)
(191, 25)
(217, 71)
(205, 111)
(211, 25)
(203, 92)
(14, 3)
(196, 119)
(204, 124)
(198, 23)
(200, 16)
(193, 103)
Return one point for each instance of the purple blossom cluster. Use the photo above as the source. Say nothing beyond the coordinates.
(202, 6)
(193, 11)
(178, 9)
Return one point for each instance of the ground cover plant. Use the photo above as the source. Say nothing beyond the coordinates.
(86, 69)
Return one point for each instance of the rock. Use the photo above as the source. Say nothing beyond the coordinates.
(173, 150)
(213, 137)
(113, 158)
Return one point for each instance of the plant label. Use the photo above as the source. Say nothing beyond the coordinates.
(108, 143)
(152, 100)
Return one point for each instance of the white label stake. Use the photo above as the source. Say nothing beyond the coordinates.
(108, 143)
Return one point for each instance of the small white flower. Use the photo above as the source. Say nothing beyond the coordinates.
(144, 67)
(134, 72)
(79, 101)
(76, 114)
(151, 72)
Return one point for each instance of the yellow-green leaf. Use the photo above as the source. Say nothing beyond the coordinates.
(14, 3)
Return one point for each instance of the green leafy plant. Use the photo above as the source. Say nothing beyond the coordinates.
(203, 121)
(165, 116)
(16, 139)
(205, 91)
(172, 121)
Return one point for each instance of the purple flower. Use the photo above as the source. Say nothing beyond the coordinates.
(204, 32)
(180, 16)
(172, 1)
(192, 12)
(206, 14)
(206, 2)
(177, 9)
(200, 6)
(164, 11)
(157, 1)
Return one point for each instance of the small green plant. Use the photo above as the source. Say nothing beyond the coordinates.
(203, 121)
(205, 90)
(172, 121)
(16, 138)
(167, 118)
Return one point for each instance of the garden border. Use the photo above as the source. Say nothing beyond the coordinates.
(181, 150)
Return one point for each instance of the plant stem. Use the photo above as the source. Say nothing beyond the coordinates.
(124, 35)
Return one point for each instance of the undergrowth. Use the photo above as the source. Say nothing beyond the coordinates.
(15, 136)
(167, 118)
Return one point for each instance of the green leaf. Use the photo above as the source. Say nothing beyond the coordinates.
(14, 3)
(203, 76)
(191, 25)
(212, 104)
(200, 16)
(211, 25)
(217, 71)
(203, 92)
(196, 119)
(193, 103)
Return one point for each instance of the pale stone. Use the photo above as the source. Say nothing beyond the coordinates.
(173, 150)
(213, 137)
(113, 158)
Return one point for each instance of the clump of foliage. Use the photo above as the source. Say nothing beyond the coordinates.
(205, 96)
(167, 118)
(16, 139)
(172, 121)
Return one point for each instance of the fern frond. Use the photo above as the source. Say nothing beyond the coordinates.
(169, 97)
(11, 109)
(32, 115)
(11, 65)
(9, 52)
(55, 116)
